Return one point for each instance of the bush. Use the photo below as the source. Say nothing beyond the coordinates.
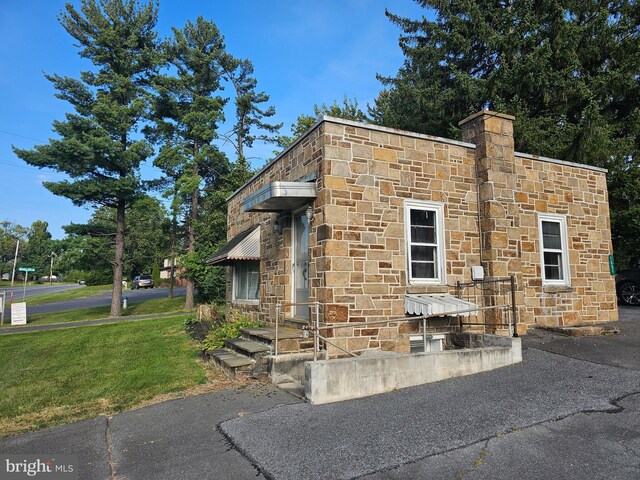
(98, 278)
(227, 329)
(199, 329)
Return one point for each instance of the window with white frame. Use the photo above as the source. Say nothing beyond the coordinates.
(554, 252)
(246, 281)
(424, 233)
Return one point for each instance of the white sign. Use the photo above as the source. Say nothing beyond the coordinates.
(19, 313)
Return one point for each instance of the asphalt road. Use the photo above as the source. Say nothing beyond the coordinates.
(134, 296)
(571, 410)
(32, 290)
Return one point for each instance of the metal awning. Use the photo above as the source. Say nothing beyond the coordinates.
(244, 246)
(437, 304)
(280, 196)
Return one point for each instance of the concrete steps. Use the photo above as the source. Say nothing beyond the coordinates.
(296, 323)
(249, 355)
(231, 363)
(248, 348)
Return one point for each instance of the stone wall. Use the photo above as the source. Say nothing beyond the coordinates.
(368, 175)
(301, 159)
(358, 260)
(581, 195)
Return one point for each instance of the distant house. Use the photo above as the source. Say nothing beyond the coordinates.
(165, 273)
(370, 221)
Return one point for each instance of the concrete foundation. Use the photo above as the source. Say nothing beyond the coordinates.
(335, 380)
(289, 367)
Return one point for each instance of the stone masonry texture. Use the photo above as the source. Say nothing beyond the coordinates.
(491, 198)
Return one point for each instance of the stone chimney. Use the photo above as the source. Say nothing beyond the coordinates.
(492, 134)
(499, 224)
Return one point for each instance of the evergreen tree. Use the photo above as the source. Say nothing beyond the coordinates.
(187, 112)
(349, 110)
(97, 147)
(91, 246)
(567, 70)
(251, 118)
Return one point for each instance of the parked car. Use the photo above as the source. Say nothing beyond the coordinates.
(628, 286)
(142, 281)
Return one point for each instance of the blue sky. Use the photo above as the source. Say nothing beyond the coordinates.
(304, 53)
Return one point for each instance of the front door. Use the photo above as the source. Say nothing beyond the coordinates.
(301, 264)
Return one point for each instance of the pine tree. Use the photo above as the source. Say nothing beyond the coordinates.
(97, 147)
(250, 122)
(187, 112)
(567, 70)
(349, 110)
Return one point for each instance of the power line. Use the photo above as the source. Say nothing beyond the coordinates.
(22, 136)
(18, 166)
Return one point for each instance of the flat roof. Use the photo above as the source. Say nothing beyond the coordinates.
(378, 128)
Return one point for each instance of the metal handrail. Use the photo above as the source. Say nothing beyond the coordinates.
(431, 315)
(513, 307)
(315, 327)
(316, 342)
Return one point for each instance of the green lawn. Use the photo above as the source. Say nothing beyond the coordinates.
(148, 307)
(82, 292)
(53, 377)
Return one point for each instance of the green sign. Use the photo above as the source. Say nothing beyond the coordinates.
(612, 265)
(27, 269)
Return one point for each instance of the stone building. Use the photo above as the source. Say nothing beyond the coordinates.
(361, 218)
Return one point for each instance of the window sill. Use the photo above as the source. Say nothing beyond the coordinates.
(419, 288)
(246, 302)
(423, 283)
(557, 288)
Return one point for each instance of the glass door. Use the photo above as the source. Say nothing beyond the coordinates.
(301, 264)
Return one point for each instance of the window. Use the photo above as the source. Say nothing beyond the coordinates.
(553, 249)
(424, 233)
(246, 281)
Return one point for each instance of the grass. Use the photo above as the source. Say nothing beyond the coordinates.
(82, 292)
(54, 377)
(148, 307)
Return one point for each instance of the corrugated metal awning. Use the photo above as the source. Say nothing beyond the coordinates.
(244, 246)
(280, 196)
(437, 304)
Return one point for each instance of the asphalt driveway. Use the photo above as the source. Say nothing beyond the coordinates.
(571, 410)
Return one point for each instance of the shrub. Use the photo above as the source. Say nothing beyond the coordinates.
(198, 329)
(228, 329)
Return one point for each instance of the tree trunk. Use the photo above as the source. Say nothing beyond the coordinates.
(116, 298)
(172, 257)
(189, 301)
(240, 147)
(172, 272)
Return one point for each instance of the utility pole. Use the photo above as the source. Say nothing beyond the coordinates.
(51, 268)
(15, 260)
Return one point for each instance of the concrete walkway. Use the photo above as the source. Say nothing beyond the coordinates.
(553, 416)
(85, 323)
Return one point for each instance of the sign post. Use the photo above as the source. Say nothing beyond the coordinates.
(26, 271)
(19, 313)
(3, 301)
